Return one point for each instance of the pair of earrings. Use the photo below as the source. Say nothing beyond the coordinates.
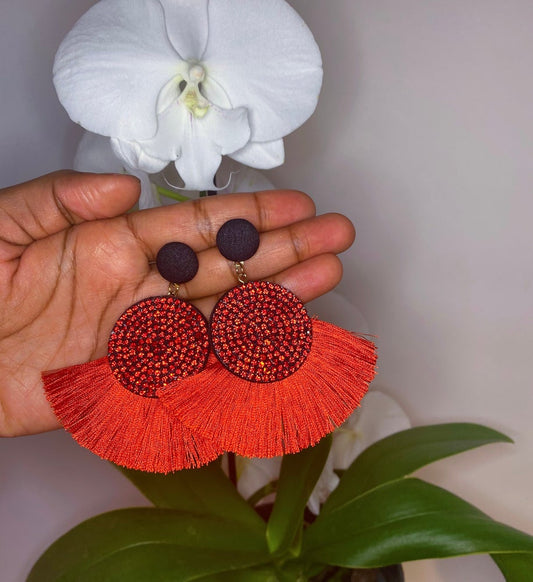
(260, 379)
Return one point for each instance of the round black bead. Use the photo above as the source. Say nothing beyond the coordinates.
(238, 240)
(177, 262)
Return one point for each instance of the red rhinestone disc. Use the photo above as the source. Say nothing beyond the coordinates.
(261, 332)
(155, 342)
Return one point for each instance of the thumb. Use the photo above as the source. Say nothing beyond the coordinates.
(51, 203)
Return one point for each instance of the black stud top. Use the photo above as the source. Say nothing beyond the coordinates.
(238, 240)
(177, 262)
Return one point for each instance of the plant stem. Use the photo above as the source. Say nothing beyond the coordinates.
(232, 468)
(169, 194)
(267, 489)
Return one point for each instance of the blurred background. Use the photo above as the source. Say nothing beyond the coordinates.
(423, 137)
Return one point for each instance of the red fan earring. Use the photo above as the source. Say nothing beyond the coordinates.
(280, 381)
(110, 405)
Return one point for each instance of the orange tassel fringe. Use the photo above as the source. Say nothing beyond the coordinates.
(122, 427)
(271, 419)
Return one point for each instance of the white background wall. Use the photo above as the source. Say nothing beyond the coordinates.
(423, 137)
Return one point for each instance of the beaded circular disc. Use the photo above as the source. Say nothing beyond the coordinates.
(261, 332)
(155, 342)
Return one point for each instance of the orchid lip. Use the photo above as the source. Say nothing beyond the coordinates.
(194, 101)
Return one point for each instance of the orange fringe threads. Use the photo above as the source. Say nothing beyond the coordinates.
(266, 419)
(118, 425)
(110, 405)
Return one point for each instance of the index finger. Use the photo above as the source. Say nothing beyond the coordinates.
(196, 222)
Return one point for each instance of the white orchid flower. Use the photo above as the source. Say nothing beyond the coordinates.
(378, 416)
(253, 474)
(188, 81)
(94, 154)
(243, 178)
(336, 308)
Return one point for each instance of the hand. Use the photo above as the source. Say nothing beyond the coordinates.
(71, 262)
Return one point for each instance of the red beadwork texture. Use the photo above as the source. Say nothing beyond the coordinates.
(155, 342)
(261, 332)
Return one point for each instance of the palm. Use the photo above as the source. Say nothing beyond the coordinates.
(71, 262)
(58, 309)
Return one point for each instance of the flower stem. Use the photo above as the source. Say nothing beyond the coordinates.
(261, 493)
(169, 194)
(232, 468)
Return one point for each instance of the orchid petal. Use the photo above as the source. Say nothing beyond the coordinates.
(326, 483)
(187, 26)
(262, 155)
(168, 95)
(266, 59)
(198, 167)
(149, 197)
(378, 417)
(243, 178)
(215, 93)
(334, 307)
(256, 473)
(228, 128)
(172, 127)
(111, 66)
(95, 155)
(134, 156)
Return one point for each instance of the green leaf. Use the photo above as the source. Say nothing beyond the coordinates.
(515, 567)
(406, 520)
(298, 476)
(404, 452)
(204, 491)
(143, 544)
